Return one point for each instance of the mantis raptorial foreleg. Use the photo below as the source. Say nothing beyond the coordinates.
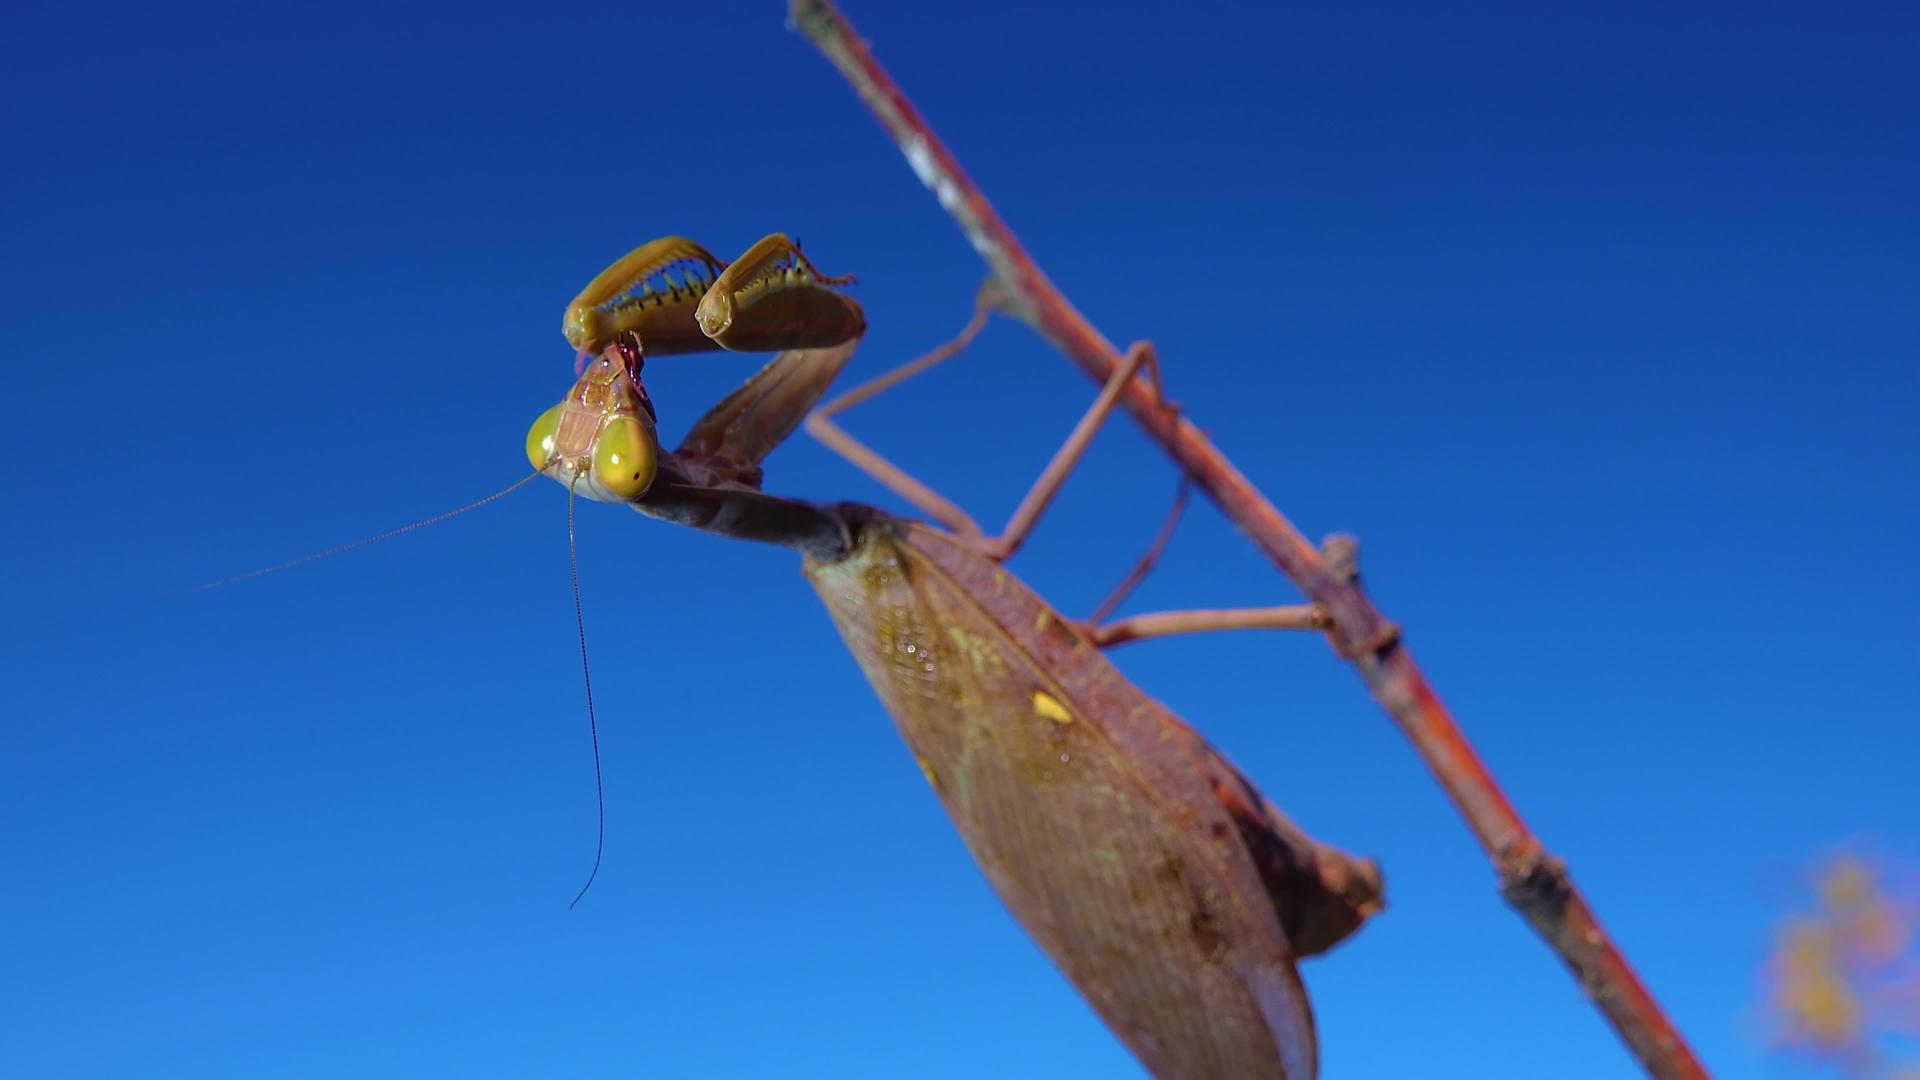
(639, 294)
(766, 273)
(771, 298)
(768, 299)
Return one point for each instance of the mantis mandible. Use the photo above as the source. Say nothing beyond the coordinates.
(1170, 892)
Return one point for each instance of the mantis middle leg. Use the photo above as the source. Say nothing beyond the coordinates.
(820, 425)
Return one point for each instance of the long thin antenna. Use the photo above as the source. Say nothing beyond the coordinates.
(593, 724)
(363, 541)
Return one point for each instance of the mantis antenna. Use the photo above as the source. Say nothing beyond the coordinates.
(579, 620)
(593, 724)
(363, 541)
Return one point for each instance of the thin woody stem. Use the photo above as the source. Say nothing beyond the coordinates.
(1532, 880)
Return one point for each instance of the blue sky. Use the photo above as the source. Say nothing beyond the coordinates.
(1597, 326)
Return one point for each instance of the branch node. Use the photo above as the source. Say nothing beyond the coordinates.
(1533, 881)
(1341, 552)
(995, 296)
(812, 18)
(1370, 647)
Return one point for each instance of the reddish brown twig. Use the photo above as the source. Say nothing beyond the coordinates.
(1533, 881)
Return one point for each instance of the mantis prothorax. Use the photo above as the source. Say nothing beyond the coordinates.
(1172, 894)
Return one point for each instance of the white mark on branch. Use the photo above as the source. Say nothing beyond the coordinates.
(920, 157)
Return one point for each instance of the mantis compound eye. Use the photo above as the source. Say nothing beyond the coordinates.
(541, 435)
(625, 457)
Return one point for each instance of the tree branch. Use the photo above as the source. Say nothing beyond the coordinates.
(1534, 882)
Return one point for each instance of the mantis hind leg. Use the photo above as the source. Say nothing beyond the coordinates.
(1204, 620)
(1193, 621)
(1106, 633)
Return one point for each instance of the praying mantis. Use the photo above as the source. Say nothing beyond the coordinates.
(1171, 893)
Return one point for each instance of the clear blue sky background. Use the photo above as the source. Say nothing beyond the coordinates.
(1598, 328)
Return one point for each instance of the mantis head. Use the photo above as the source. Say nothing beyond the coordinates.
(600, 439)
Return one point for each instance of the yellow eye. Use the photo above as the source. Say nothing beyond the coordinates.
(540, 436)
(624, 457)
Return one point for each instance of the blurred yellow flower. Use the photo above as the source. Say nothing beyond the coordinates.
(1843, 979)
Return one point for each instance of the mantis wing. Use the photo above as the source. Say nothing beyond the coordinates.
(1093, 811)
